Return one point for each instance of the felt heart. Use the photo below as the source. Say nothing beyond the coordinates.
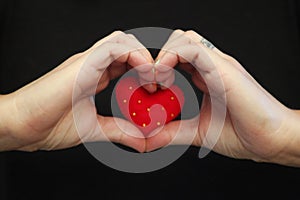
(148, 111)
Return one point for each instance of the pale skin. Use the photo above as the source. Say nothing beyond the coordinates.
(257, 126)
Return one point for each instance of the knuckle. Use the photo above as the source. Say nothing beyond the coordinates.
(131, 35)
(117, 32)
(232, 60)
(188, 37)
(190, 32)
(118, 36)
(178, 31)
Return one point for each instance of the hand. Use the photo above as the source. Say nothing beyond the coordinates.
(257, 126)
(40, 115)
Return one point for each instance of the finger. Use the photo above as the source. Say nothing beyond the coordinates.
(177, 33)
(107, 38)
(131, 40)
(146, 75)
(178, 132)
(166, 79)
(92, 66)
(205, 116)
(196, 76)
(185, 51)
(187, 38)
(199, 82)
(116, 69)
(163, 74)
(189, 68)
(218, 68)
(164, 66)
(145, 72)
(196, 37)
(227, 58)
(150, 86)
(112, 129)
(128, 40)
(77, 56)
(210, 66)
(141, 47)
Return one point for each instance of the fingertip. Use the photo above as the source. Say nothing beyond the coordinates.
(157, 141)
(166, 61)
(151, 88)
(117, 32)
(137, 144)
(166, 80)
(141, 148)
(131, 35)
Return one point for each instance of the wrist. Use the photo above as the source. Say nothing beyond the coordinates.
(290, 152)
(7, 140)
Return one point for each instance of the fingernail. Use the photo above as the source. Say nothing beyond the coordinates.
(157, 62)
(152, 88)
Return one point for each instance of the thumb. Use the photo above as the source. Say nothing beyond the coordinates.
(119, 131)
(182, 132)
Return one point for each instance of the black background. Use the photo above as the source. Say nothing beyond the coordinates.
(38, 35)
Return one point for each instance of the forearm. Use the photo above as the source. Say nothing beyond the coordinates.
(3, 116)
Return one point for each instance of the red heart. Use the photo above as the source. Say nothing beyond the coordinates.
(148, 111)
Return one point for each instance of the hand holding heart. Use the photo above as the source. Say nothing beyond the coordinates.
(256, 125)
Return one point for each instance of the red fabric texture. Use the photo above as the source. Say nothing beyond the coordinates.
(148, 111)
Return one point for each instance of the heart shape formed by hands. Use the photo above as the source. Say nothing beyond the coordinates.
(148, 111)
